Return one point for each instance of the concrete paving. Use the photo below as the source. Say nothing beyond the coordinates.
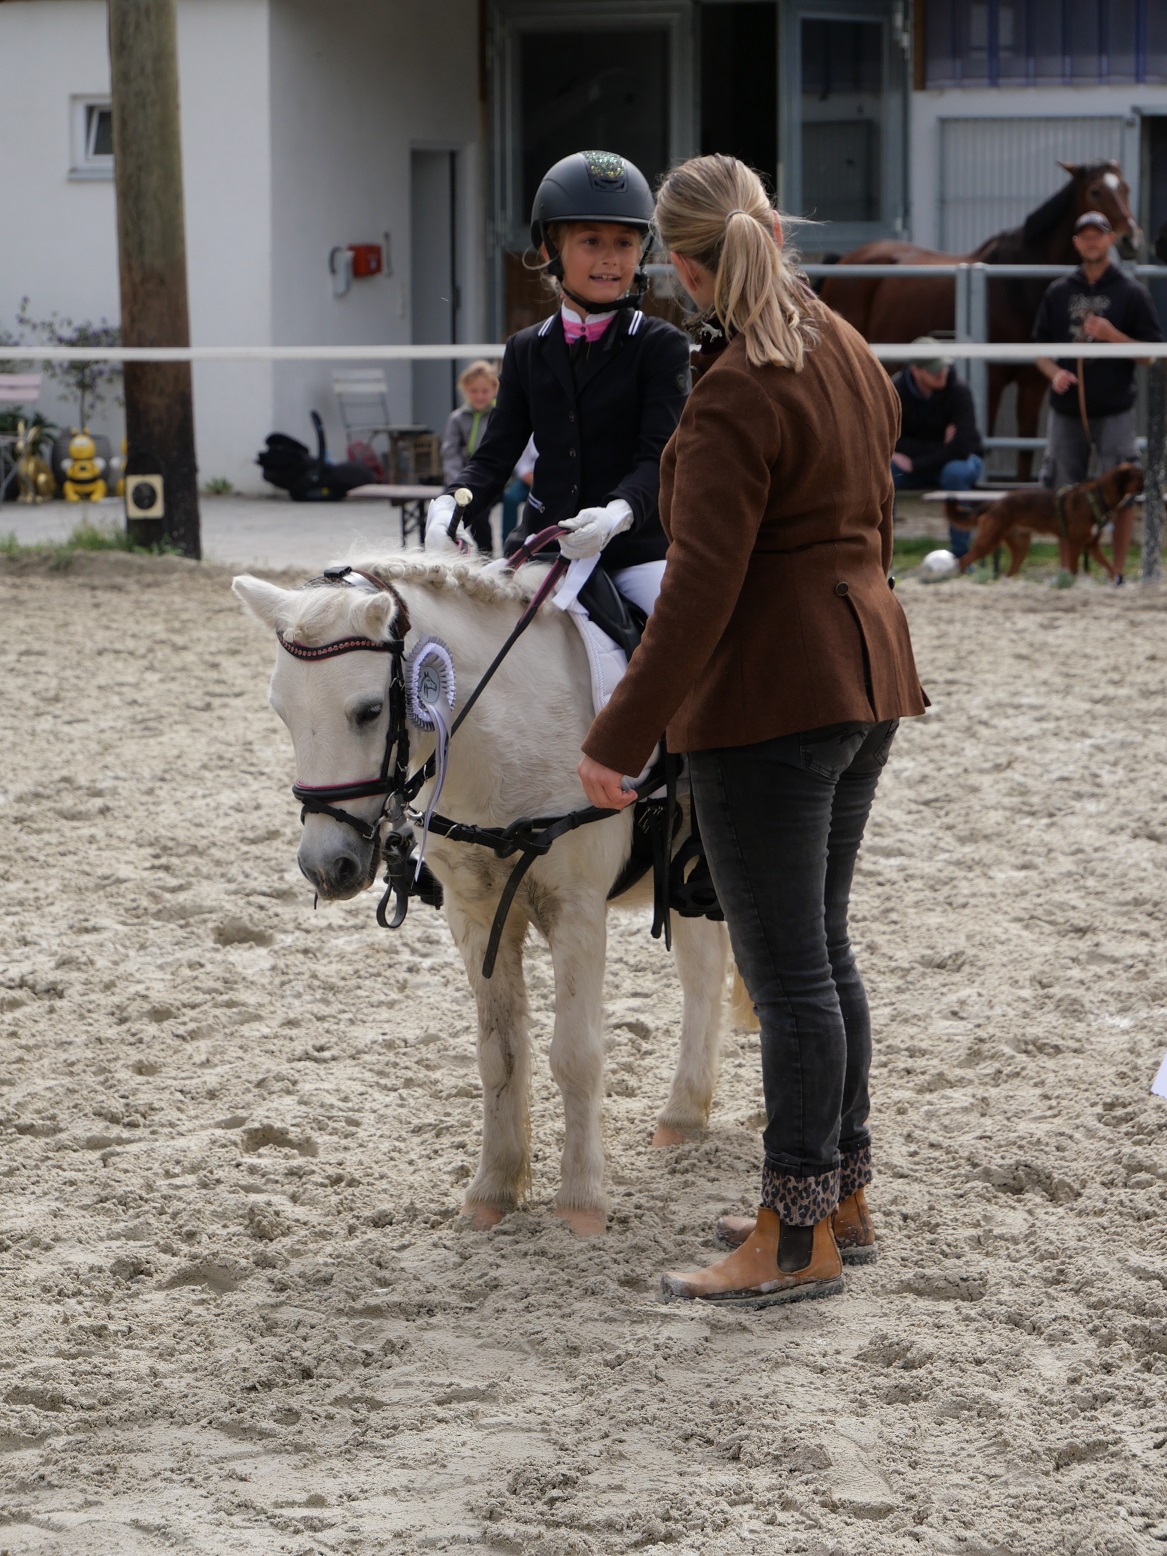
(267, 532)
(274, 532)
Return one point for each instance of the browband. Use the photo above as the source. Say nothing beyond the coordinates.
(341, 646)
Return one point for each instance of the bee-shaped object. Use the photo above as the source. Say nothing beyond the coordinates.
(83, 478)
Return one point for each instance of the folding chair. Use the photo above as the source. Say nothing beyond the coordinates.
(363, 398)
(21, 389)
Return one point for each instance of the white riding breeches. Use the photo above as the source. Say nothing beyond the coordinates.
(641, 584)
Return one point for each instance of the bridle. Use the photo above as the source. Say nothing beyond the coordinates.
(406, 875)
(319, 799)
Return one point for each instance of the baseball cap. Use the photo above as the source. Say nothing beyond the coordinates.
(1092, 219)
(931, 358)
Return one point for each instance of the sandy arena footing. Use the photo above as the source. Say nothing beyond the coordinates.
(242, 1314)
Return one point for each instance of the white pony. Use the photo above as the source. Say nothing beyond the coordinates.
(515, 756)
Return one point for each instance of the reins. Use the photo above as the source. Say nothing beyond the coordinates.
(530, 837)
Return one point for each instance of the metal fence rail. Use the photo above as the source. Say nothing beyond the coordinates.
(970, 281)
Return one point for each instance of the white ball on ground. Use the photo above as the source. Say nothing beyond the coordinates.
(937, 565)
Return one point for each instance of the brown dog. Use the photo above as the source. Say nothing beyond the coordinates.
(1075, 514)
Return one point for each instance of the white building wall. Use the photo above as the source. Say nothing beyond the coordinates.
(928, 108)
(356, 84)
(224, 87)
(60, 235)
(60, 238)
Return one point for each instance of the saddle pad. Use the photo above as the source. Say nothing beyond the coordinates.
(607, 661)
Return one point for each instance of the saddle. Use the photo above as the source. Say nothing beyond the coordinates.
(612, 613)
(683, 884)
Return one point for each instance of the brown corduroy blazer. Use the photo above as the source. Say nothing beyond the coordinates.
(775, 612)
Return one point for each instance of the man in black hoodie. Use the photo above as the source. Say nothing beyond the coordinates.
(1093, 403)
(939, 444)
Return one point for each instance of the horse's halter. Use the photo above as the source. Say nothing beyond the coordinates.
(393, 779)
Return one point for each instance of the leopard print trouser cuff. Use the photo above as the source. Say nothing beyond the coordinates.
(854, 1171)
(799, 1201)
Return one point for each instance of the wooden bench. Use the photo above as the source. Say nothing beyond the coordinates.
(975, 497)
(412, 500)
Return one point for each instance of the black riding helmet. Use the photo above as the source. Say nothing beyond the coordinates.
(595, 186)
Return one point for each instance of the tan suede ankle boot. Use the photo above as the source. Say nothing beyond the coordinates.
(751, 1276)
(854, 1232)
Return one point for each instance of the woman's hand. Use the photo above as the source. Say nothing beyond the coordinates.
(603, 786)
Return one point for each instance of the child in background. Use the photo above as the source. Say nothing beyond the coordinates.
(465, 429)
(519, 490)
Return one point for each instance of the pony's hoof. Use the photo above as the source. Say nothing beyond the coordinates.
(669, 1134)
(585, 1223)
(482, 1215)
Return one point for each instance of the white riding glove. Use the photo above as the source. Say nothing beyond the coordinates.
(593, 528)
(437, 524)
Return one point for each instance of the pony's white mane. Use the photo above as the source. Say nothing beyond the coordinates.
(311, 611)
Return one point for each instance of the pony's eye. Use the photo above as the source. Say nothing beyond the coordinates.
(369, 713)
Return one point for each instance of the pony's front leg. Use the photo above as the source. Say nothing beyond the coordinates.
(578, 943)
(700, 949)
(504, 1167)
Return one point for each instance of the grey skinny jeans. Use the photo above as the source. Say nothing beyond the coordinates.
(782, 822)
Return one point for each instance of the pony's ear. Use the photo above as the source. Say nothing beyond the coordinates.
(265, 601)
(1071, 167)
(372, 615)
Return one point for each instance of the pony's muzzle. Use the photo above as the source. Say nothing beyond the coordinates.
(337, 868)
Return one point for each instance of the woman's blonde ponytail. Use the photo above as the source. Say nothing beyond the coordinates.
(714, 210)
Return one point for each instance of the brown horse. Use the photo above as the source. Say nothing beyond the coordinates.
(885, 309)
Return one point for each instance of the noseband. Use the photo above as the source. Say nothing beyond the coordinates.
(318, 799)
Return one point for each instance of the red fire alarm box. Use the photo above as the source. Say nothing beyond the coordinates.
(366, 259)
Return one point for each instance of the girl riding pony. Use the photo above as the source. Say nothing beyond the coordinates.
(599, 384)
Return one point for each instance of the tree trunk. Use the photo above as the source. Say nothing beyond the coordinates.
(147, 143)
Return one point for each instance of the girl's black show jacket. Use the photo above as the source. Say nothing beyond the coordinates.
(600, 426)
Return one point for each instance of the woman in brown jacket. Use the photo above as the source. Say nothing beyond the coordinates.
(778, 657)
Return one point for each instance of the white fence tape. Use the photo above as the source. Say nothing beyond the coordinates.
(963, 350)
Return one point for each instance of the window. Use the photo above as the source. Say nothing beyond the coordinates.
(843, 121)
(91, 137)
(1030, 42)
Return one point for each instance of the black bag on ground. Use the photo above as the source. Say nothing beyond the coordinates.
(288, 464)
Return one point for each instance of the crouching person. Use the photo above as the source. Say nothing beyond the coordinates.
(939, 444)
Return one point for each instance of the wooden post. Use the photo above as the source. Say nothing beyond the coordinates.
(147, 144)
(1156, 471)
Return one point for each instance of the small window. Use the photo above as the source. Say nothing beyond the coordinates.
(92, 138)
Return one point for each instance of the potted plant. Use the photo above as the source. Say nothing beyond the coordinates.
(88, 384)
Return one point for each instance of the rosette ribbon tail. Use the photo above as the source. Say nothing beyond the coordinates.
(439, 714)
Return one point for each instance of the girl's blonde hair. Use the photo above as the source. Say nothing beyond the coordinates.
(714, 210)
(479, 369)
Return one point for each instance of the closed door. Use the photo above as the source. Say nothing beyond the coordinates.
(434, 286)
